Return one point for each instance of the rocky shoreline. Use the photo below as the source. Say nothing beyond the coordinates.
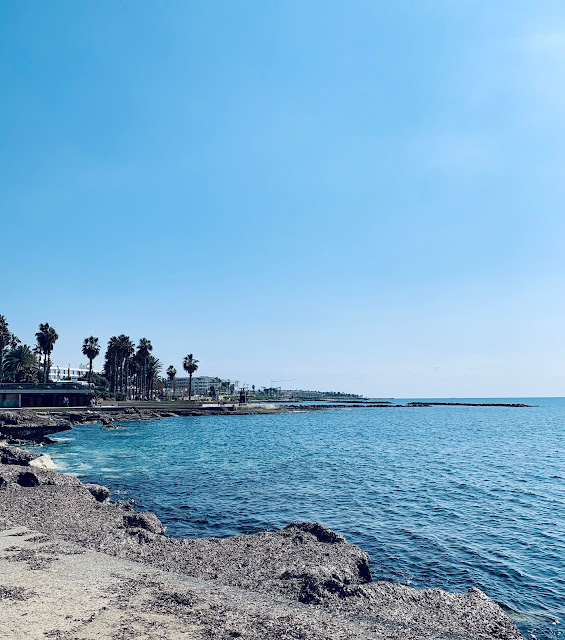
(304, 581)
(35, 425)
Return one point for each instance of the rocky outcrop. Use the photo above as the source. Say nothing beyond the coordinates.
(25, 424)
(310, 568)
(99, 492)
(12, 455)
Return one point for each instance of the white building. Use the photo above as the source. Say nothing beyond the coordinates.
(202, 385)
(57, 373)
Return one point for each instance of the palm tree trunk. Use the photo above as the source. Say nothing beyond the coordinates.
(90, 371)
(189, 386)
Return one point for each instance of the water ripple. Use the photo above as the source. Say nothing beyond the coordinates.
(447, 497)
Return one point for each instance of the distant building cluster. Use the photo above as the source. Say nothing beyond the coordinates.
(202, 386)
(303, 394)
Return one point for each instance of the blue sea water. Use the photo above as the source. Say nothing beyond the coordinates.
(448, 497)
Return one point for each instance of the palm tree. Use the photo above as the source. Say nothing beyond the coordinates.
(171, 373)
(91, 349)
(7, 341)
(190, 365)
(111, 363)
(126, 349)
(21, 364)
(143, 350)
(46, 339)
(154, 368)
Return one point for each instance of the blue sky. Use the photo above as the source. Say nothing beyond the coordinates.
(365, 196)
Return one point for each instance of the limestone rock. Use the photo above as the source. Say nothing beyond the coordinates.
(43, 462)
(13, 455)
(146, 521)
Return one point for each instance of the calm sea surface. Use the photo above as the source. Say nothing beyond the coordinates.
(447, 497)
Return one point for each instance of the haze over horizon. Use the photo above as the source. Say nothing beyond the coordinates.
(364, 197)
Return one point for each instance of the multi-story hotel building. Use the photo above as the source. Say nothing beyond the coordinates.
(202, 385)
(57, 374)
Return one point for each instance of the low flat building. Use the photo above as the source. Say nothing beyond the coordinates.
(54, 394)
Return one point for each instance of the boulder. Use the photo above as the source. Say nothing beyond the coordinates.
(43, 462)
(146, 521)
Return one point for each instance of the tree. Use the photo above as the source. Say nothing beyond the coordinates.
(46, 339)
(154, 367)
(21, 364)
(126, 350)
(7, 341)
(111, 363)
(144, 348)
(171, 373)
(117, 365)
(91, 349)
(190, 365)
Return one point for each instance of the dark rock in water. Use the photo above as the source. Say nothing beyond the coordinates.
(100, 492)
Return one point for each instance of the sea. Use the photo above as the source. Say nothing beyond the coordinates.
(441, 496)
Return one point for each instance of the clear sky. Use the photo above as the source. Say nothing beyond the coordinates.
(365, 196)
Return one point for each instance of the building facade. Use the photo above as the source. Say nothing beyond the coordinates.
(58, 374)
(55, 394)
(202, 386)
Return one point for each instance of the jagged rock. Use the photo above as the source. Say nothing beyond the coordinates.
(146, 521)
(100, 492)
(14, 475)
(321, 533)
(12, 455)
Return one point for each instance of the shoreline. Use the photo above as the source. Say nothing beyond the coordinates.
(36, 424)
(319, 584)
